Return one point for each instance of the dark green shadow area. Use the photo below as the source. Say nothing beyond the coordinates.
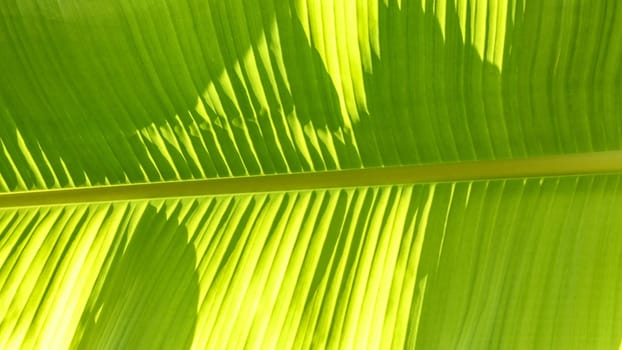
(148, 299)
(443, 101)
(81, 79)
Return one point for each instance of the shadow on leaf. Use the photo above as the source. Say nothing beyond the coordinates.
(148, 298)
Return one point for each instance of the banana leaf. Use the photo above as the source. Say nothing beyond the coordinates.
(114, 100)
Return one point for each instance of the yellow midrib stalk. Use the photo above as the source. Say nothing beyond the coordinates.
(574, 164)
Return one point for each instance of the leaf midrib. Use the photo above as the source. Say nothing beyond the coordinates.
(561, 165)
